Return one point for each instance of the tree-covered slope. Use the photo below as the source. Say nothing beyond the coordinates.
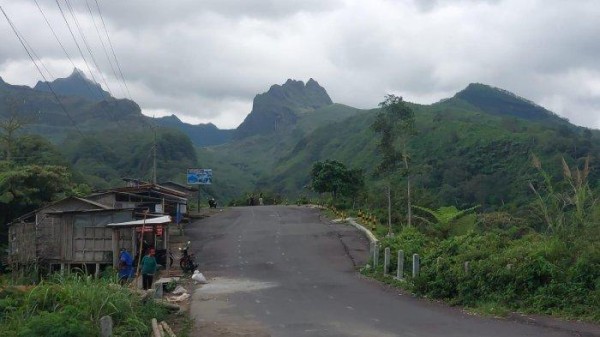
(239, 165)
(463, 154)
(200, 134)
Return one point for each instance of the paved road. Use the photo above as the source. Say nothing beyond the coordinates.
(283, 271)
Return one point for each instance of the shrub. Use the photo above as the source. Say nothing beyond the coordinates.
(72, 306)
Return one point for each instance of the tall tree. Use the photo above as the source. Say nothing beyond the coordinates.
(328, 176)
(333, 176)
(9, 127)
(395, 124)
(27, 187)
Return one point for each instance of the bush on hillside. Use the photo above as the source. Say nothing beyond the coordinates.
(535, 273)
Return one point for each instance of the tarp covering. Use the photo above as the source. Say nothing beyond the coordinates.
(138, 223)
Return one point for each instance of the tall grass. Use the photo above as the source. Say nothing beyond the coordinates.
(567, 205)
(72, 306)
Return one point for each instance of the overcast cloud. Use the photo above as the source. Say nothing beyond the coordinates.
(206, 60)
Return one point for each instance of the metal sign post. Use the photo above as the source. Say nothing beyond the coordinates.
(198, 198)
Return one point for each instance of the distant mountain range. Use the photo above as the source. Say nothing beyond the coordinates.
(472, 148)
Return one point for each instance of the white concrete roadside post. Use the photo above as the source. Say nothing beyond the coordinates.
(375, 255)
(400, 270)
(106, 326)
(416, 265)
(386, 261)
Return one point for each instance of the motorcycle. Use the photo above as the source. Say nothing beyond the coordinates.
(187, 262)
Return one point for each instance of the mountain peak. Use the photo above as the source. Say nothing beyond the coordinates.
(76, 84)
(278, 108)
(77, 73)
(174, 118)
(501, 102)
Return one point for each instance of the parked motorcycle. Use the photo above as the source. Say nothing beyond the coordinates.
(187, 261)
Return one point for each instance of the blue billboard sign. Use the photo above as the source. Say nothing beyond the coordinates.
(199, 176)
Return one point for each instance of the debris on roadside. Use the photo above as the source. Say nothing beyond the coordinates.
(199, 278)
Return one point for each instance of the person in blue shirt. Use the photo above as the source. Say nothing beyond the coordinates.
(125, 266)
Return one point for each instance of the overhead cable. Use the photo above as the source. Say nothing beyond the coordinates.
(29, 53)
(112, 49)
(104, 48)
(78, 47)
(85, 42)
(61, 45)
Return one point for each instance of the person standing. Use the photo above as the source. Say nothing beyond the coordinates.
(149, 266)
(125, 266)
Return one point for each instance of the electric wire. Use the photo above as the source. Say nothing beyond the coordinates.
(34, 54)
(104, 47)
(78, 47)
(21, 39)
(85, 42)
(102, 93)
(30, 52)
(18, 33)
(61, 45)
(151, 125)
(112, 49)
(143, 119)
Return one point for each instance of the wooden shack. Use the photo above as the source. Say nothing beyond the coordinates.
(66, 234)
(75, 233)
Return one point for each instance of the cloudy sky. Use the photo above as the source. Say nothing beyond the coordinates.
(206, 60)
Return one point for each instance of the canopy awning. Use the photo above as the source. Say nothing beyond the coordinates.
(139, 223)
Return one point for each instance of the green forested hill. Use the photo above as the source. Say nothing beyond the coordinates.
(473, 148)
(466, 151)
(470, 152)
(240, 165)
(102, 140)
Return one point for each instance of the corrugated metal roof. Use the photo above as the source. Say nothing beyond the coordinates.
(138, 223)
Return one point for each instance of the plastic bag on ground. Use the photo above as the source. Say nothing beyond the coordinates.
(179, 290)
(179, 298)
(198, 277)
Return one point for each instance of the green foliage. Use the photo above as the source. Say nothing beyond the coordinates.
(569, 204)
(24, 188)
(57, 324)
(73, 306)
(445, 217)
(533, 273)
(103, 160)
(395, 124)
(333, 177)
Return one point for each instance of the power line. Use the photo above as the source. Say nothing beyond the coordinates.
(112, 49)
(61, 45)
(89, 49)
(78, 47)
(31, 49)
(21, 40)
(143, 118)
(104, 47)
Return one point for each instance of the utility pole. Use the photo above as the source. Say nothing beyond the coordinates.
(154, 158)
